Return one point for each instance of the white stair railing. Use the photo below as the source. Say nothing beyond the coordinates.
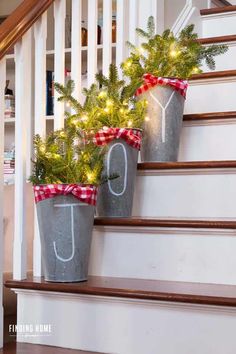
(2, 111)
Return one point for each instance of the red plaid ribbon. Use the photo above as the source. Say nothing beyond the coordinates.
(151, 81)
(132, 137)
(86, 193)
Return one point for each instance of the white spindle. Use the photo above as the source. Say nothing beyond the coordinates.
(40, 35)
(23, 62)
(121, 31)
(92, 40)
(2, 109)
(133, 20)
(59, 59)
(107, 35)
(76, 47)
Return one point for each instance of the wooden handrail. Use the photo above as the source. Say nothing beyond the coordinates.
(20, 21)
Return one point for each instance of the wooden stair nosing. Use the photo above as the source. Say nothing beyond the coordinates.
(156, 290)
(166, 223)
(25, 348)
(213, 75)
(218, 10)
(186, 165)
(218, 39)
(209, 116)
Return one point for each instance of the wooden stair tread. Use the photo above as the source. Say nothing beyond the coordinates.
(211, 115)
(24, 348)
(166, 223)
(213, 75)
(159, 290)
(218, 39)
(218, 10)
(186, 165)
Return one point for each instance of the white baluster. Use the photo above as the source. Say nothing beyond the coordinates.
(40, 35)
(23, 63)
(92, 40)
(133, 20)
(121, 31)
(2, 109)
(76, 47)
(59, 59)
(107, 36)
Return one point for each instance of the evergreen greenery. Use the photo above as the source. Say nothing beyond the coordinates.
(168, 56)
(107, 104)
(66, 157)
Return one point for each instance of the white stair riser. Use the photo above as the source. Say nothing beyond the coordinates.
(204, 256)
(225, 61)
(211, 96)
(208, 140)
(219, 24)
(125, 326)
(186, 194)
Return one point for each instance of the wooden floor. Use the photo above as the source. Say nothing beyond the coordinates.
(22, 348)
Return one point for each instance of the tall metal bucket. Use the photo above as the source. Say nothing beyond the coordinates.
(65, 226)
(162, 131)
(115, 198)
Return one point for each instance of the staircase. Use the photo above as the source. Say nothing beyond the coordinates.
(163, 281)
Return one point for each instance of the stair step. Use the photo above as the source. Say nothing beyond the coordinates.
(218, 39)
(192, 293)
(211, 91)
(219, 21)
(166, 223)
(189, 189)
(208, 137)
(209, 116)
(217, 10)
(150, 166)
(214, 75)
(24, 348)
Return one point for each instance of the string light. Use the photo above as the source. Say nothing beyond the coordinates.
(122, 110)
(195, 70)
(147, 119)
(130, 123)
(102, 94)
(68, 105)
(109, 103)
(84, 118)
(107, 110)
(174, 53)
(90, 177)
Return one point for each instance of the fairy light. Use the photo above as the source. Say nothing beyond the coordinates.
(195, 70)
(102, 94)
(84, 118)
(128, 64)
(109, 103)
(68, 105)
(122, 110)
(107, 110)
(147, 119)
(90, 177)
(174, 53)
(130, 123)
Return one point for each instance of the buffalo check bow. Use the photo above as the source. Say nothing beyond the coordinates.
(132, 137)
(84, 192)
(151, 81)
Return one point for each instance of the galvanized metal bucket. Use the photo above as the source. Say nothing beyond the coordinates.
(162, 130)
(115, 198)
(65, 226)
